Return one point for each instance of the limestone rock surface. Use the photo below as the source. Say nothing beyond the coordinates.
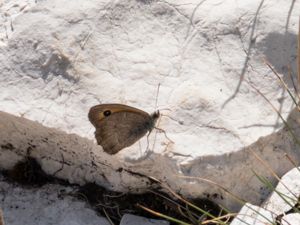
(59, 58)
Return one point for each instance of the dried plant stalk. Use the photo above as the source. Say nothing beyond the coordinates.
(1, 218)
(298, 54)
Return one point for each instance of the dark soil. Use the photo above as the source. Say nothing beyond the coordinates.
(115, 204)
(28, 173)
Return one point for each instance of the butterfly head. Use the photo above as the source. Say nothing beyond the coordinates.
(155, 115)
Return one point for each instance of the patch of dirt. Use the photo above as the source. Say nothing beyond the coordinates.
(114, 204)
(28, 173)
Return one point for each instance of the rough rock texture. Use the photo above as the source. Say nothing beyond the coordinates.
(293, 218)
(43, 206)
(73, 158)
(78, 160)
(254, 215)
(280, 208)
(286, 195)
(61, 57)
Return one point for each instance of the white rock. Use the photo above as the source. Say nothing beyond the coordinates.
(44, 206)
(279, 203)
(63, 56)
(129, 219)
(254, 215)
(291, 219)
(286, 194)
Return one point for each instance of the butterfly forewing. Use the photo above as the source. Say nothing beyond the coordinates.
(122, 128)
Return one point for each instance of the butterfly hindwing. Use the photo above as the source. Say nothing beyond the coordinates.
(121, 128)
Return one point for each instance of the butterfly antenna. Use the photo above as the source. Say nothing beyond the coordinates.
(157, 92)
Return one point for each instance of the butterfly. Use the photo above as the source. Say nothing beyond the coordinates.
(119, 126)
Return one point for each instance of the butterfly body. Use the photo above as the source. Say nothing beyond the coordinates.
(119, 126)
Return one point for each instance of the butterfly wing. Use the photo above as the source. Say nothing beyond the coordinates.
(121, 127)
(121, 130)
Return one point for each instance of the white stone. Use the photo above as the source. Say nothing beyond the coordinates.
(280, 202)
(43, 206)
(62, 57)
(286, 194)
(254, 215)
(291, 219)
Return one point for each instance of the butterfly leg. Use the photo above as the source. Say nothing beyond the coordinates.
(147, 148)
(163, 131)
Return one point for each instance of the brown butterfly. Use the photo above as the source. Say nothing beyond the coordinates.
(119, 126)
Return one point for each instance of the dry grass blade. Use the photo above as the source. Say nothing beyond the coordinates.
(298, 53)
(266, 165)
(263, 162)
(186, 201)
(1, 218)
(162, 215)
(279, 114)
(285, 197)
(292, 162)
(231, 194)
(179, 206)
(293, 82)
(216, 221)
(107, 217)
(282, 83)
(240, 200)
